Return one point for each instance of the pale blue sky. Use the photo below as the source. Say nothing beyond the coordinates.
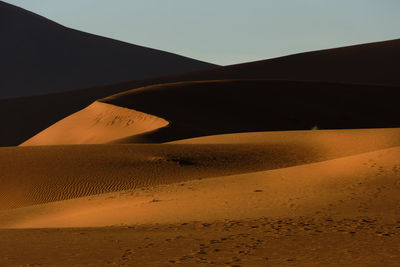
(228, 31)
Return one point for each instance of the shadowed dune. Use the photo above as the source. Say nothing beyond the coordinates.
(53, 173)
(373, 63)
(40, 56)
(217, 107)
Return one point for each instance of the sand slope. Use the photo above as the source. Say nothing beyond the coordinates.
(361, 185)
(98, 123)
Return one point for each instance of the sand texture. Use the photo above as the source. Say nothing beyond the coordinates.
(354, 186)
(53, 173)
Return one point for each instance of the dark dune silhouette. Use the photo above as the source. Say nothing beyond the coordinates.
(39, 56)
(373, 63)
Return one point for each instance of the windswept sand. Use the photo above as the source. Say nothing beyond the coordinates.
(355, 186)
(96, 124)
(338, 212)
(53, 173)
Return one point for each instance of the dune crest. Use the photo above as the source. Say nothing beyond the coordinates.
(98, 123)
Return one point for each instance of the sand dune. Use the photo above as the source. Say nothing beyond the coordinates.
(214, 167)
(53, 173)
(361, 185)
(98, 123)
(373, 63)
(219, 107)
(53, 58)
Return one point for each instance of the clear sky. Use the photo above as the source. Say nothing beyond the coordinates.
(228, 31)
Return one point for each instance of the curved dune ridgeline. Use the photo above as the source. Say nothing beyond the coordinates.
(219, 107)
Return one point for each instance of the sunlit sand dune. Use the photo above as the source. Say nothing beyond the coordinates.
(361, 185)
(256, 199)
(98, 123)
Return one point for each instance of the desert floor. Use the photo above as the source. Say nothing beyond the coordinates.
(297, 241)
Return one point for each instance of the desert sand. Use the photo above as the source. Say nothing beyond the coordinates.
(53, 173)
(351, 186)
(245, 199)
(286, 161)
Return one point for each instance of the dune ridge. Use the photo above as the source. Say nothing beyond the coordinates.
(98, 123)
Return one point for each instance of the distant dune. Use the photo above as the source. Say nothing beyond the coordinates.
(40, 56)
(373, 63)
